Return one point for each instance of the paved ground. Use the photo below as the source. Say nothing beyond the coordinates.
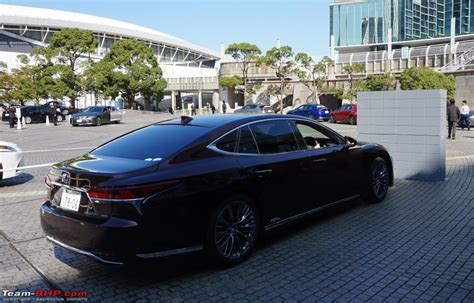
(416, 245)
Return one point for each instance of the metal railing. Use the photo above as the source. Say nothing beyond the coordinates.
(460, 63)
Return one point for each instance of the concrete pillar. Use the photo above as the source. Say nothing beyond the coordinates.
(173, 100)
(200, 102)
(215, 99)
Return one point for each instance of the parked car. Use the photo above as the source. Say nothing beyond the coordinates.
(255, 109)
(96, 115)
(209, 182)
(347, 113)
(312, 111)
(33, 114)
(10, 158)
(65, 107)
(471, 120)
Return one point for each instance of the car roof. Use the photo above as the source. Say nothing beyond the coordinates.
(213, 121)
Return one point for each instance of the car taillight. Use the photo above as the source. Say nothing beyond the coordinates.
(48, 183)
(127, 193)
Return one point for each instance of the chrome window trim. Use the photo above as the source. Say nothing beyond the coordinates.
(172, 252)
(212, 145)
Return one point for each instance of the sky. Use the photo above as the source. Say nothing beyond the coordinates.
(302, 24)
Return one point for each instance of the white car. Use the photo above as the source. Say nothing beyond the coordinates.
(10, 159)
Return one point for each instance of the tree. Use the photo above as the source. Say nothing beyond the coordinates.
(230, 82)
(132, 69)
(379, 82)
(354, 68)
(280, 59)
(427, 78)
(65, 49)
(313, 74)
(245, 54)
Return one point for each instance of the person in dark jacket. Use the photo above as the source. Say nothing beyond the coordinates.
(213, 109)
(11, 115)
(454, 114)
(53, 114)
(224, 107)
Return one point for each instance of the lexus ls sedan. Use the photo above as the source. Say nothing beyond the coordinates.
(211, 183)
(10, 158)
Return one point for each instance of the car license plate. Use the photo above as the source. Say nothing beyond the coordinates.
(70, 200)
(79, 120)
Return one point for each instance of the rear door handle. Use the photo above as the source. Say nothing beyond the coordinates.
(320, 160)
(263, 172)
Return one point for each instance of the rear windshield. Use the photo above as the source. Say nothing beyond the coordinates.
(153, 143)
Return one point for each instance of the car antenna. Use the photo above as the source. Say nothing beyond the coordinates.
(185, 120)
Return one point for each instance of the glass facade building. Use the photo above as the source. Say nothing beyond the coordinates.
(366, 22)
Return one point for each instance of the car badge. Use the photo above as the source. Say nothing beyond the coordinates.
(65, 178)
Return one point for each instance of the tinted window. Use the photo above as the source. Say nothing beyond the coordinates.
(94, 109)
(151, 143)
(274, 137)
(228, 142)
(246, 142)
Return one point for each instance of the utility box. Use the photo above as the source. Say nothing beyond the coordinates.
(411, 125)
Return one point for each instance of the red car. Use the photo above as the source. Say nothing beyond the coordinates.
(347, 113)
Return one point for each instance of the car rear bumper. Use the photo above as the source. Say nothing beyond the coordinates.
(112, 241)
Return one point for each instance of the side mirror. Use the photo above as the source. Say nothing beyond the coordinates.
(350, 142)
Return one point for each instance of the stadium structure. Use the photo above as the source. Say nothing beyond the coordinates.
(187, 67)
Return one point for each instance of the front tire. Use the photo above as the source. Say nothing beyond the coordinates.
(352, 120)
(99, 122)
(378, 181)
(232, 231)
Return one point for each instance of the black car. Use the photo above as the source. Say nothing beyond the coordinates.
(96, 115)
(212, 183)
(32, 114)
(64, 108)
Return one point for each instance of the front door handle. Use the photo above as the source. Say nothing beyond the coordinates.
(263, 172)
(320, 160)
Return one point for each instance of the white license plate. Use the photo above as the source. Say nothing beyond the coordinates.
(70, 200)
(79, 120)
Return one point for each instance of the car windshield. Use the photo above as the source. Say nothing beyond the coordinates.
(153, 143)
(94, 109)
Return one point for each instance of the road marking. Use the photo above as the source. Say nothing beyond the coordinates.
(24, 194)
(460, 157)
(28, 167)
(54, 150)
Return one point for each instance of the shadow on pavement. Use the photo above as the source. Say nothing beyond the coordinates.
(20, 179)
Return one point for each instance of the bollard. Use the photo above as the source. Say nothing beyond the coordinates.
(47, 120)
(68, 119)
(23, 121)
(18, 124)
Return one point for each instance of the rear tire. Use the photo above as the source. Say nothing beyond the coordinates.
(232, 231)
(352, 120)
(28, 120)
(378, 181)
(310, 117)
(59, 118)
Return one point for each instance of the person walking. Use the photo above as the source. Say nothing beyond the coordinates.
(465, 121)
(53, 114)
(213, 109)
(170, 110)
(193, 110)
(453, 114)
(11, 115)
(224, 106)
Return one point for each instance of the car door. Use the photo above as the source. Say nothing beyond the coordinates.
(106, 114)
(274, 167)
(346, 113)
(333, 166)
(115, 114)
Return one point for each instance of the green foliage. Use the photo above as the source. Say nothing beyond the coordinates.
(230, 82)
(130, 67)
(380, 82)
(427, 78)
(313, 74)
(3, 67)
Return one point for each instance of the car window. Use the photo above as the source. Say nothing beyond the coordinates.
(151, 143)
(323, 137)
(274, 136)
(247, 142)
(228, 142)
(348, 107)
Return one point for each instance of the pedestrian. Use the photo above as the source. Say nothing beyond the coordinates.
(465, 120)
(453, 114)
(53, 114)
(213, 109)
(193, 110)
(170, 110)
(224, 106)
(11, 115)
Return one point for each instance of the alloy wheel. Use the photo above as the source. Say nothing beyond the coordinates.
(380, 180)
(235, 229)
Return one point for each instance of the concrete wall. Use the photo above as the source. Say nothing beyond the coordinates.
(465, 90)
(411, 125)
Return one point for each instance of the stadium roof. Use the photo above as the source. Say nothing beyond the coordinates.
(40, 17)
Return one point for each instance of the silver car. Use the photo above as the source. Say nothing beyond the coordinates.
(255, 109)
